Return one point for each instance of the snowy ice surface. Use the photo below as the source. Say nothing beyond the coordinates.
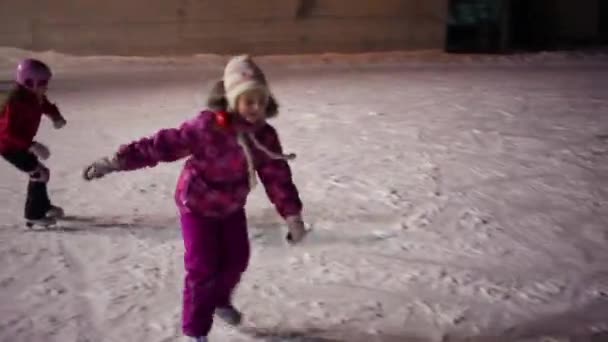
(452, 198)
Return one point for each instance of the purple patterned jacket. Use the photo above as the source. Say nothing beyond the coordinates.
(215, 179)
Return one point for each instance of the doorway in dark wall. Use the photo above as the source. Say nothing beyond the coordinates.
(502, 25)
(475, 26)
(603, 20)
(532, 25)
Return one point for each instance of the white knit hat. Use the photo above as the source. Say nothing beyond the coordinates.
(240, 75)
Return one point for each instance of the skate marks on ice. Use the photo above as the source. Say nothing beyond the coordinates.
(587, 323)
(75, 292)
(568, 326)
(279, 334)
(72, 223)
(308, 333)
(268, 230)
(301, 335)
(436, 270)
(155, 228)
(59, 288)
(87, 301)
(584, 323)
(456, 303)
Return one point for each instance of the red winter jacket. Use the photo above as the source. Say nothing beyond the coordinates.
(20, 119)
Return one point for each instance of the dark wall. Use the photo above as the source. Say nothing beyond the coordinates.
(603, 19)
(526, 24)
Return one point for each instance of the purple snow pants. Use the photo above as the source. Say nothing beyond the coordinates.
(217, 253)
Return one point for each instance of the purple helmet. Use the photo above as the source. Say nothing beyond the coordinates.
(32, 73)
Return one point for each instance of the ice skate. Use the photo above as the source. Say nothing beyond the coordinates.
(229, 314)
(40, 223)
(55, 212)
(198, 339)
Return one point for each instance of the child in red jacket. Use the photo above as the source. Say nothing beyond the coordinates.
(20, 117)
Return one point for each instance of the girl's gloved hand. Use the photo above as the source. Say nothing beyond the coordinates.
(59, 123)
(100, 168)
(40, 150)
(296, 229)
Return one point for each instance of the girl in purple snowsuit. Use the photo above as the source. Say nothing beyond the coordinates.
(226, 147)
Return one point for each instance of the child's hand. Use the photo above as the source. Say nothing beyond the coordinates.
(100, 168)
(59, 123)
(296, 228)
(40, 150)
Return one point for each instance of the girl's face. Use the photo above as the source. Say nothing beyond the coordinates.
(39, 88)
(252, 105)
(40, 92)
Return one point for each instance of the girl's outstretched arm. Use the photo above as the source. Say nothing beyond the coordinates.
(167, 145)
